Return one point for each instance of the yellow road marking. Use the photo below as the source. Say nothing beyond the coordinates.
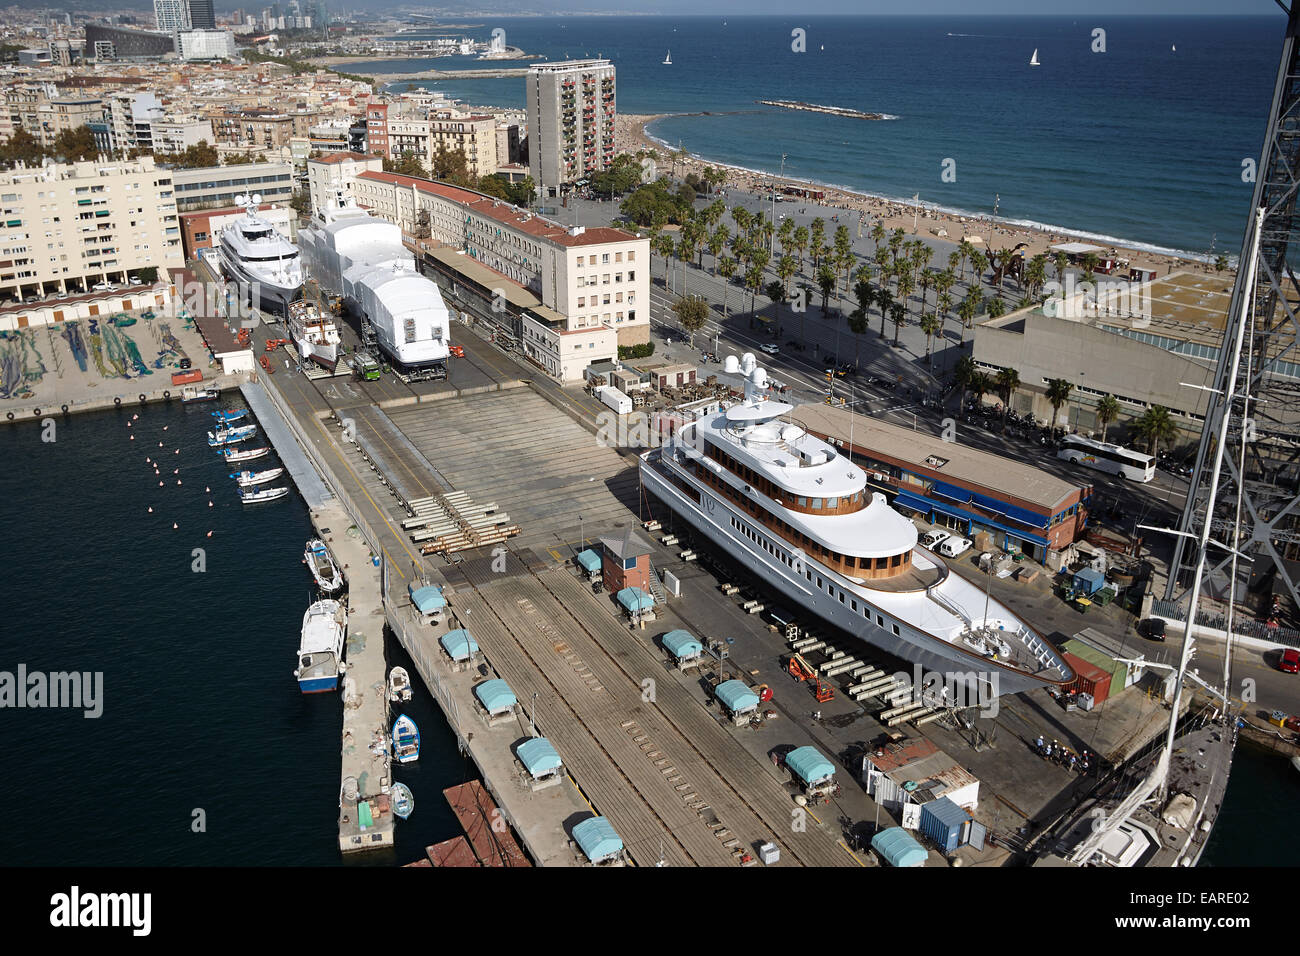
(556, 556)
(853, 856)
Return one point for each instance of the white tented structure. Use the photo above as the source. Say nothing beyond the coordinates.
(362, 259)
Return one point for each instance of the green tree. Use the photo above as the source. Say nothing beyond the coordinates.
(826, 280)
(931, 326)
(21, 147)
(408, 164)
(801, 237)
(1058, 393)
(726, 269)
(963, 373)
(980, 385)
(300, 203)
(858, 321)
(776, 292)
(1008, 382)
(1107, 412)
(1155, 426)
(692, 312)
(74, 145)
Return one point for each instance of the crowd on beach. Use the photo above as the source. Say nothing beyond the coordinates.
(926, 222)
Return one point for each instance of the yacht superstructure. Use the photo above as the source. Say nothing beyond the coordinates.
(798, 514)
(255, 255)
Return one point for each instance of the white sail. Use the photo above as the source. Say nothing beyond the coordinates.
(1033, 60)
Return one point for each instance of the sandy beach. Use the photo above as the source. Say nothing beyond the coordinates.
(930, 224)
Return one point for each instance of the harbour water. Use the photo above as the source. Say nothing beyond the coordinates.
(200, 707)
(1141, 142)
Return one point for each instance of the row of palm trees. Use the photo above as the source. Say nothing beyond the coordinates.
(1155, 425)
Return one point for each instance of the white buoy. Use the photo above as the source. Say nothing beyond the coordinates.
(209, 504)
(160, 444)
(209, 534)
(160, 484)
(175, 526)
(151, 509)
(178, 451)
(165, 428)
(178, 481)
(132, 438)
(135, 416)
(176, 471)
(207, 489)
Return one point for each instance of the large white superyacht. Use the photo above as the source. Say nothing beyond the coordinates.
(798, 514)
(254, 254)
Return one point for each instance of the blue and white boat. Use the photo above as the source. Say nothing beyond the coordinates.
(320, 649)
(226, 417)
(403, 800)
(406, 740)
(228, 436)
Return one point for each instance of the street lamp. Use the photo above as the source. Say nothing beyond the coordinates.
(583, 531)
(532, 718)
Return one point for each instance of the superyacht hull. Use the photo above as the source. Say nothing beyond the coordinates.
(717, 520)
(271, 296)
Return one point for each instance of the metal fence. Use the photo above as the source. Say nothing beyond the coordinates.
(1241, 626)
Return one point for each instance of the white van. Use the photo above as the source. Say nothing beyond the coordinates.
(953, 546)
(932, 538)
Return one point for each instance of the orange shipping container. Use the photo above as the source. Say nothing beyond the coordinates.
(184, 378)
(1090, 679)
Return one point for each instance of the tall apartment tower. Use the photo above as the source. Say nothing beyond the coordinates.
(173, 16)
(201, 15)
(570, 121)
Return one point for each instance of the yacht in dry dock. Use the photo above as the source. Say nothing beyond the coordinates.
(314, 335)
(798, 514)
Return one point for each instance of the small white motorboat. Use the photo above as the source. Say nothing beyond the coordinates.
(263, 494)
(233, 454)
(323, 567)
(248, 478)
(399, 684)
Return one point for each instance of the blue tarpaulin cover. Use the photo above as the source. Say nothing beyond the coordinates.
(735, 696)
(597, 839)
(898, 847)
(589, 560)
(495, 695)
(680, 644)
(427, 599)
(634, 599)
(538, 756)
(809, 765)
(460, 644)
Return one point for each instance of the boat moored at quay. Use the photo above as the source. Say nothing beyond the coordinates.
(798, 515)
(320, 650)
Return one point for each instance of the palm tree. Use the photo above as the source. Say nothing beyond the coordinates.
(884, 299)
(776, 292)
(768, 229)
(1036, 274)
(996, 307)
(965, 248)
(954, 260)
(858, 324)
(1089, 266)
(980, 385)
(925, 282)
(1008, 382)
(930, 325)
(1155, 426)
(866, 295)
(785, 269)
(818, 240)
(963, 373)
(905, 285)
(978, 263)
(897, 314)
(878, 233)
(826, 283)
(1058, 393)
(753, 280)
(665, 248)
(895, 240)
(965, 312)
(1107, 412)
(1060, 261)
(717, 242)
(740, 215)
(726, 269)
(801, 243)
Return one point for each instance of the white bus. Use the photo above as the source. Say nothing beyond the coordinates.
(1112, 458)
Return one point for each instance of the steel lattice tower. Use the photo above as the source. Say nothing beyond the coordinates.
(1267, 402)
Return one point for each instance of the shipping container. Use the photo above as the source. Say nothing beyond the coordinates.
(1089, 679)
(615, 399)
(185, 378)
(945, 823)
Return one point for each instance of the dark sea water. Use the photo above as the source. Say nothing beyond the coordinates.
(1141, 142)
(200, 706)
(1257, 824)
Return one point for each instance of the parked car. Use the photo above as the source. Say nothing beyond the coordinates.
(1289, 663)
(932, 539)
(770, 349)
(1153, 628)
(953, 546)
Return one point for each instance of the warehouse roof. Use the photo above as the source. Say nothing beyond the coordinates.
(955, 462)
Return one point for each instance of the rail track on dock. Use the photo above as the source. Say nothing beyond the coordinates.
(777, 819)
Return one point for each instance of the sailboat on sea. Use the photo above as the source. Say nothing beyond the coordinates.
(668, 60)
(1033, 60)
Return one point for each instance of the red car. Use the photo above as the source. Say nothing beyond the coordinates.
(1290, 661)
(457, 351)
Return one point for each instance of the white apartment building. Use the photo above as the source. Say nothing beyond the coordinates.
(589, 277)
(329, 175)
(172, 16)
(571, 109)
(206, 45)
(68, 227)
